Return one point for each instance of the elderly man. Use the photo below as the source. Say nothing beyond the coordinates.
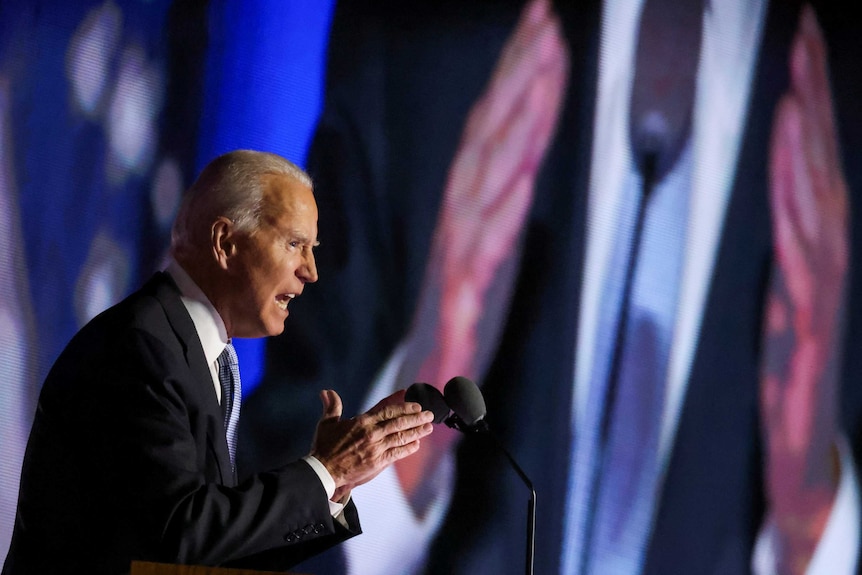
(131, 455)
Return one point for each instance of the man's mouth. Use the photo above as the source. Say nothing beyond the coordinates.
(283, 299)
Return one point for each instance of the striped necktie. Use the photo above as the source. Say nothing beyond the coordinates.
(231, 396)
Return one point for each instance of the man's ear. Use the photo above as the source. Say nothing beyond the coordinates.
(223, 240)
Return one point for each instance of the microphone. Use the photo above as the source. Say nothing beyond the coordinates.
(467, 403)
(664, 85)
(430, 398)
(468, 407)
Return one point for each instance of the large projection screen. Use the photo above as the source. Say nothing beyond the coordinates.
(479, 174)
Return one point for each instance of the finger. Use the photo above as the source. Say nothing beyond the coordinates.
(418, 423)
(396, 398)
(511, 145)
(385, 459)
(790, 196)
(404, 437)
(801, 400)
(796, 194)
(520, 143)
(528, 52)
(810, 79)
(400, 452)
(332, 406)
(385, 432)
(504, 96)
(384, 409)
(524, 148)
(506, 224)
(830, 184)
(489, 158)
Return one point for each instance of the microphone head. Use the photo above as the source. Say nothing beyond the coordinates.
(465, 399)
(650, 134)
(430, 398)
(664, 87)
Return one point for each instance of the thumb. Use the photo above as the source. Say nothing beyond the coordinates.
(331, 404)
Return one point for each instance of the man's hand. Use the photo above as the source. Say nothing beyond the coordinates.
(355, 450)
(802, 339)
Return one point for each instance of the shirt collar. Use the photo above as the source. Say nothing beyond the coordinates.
(208, 323)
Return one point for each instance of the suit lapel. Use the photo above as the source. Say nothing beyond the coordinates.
(167, 293)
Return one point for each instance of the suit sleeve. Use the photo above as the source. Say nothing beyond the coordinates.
(167, 443)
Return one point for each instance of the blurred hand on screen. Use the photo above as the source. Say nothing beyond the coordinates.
(488, 195)
(802, 339)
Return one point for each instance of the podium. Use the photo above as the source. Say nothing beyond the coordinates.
(147, 568)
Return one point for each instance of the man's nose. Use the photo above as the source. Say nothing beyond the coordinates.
(308, 270)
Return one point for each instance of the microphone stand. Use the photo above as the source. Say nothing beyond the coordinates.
(482, 427)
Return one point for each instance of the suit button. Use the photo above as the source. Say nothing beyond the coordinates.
(290, 537)
(319, 528)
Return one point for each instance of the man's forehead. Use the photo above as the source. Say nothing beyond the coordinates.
(289, 206)
(286, 193)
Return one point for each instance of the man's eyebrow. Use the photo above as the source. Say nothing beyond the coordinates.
(295, 235)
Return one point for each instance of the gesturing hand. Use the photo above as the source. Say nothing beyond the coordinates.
(355, 450)
(802, 340)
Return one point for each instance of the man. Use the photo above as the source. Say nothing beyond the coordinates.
(128, 457)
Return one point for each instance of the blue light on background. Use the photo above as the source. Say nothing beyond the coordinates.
(263, 91)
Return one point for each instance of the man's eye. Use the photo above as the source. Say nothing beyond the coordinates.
(293, 245)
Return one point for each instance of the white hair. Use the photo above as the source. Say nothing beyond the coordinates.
(229, 186)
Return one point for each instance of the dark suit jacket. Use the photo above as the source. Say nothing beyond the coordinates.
(400, 84)
(127, 459)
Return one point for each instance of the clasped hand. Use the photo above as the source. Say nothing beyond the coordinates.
(356, 450)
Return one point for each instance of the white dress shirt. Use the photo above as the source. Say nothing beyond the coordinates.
(213, 336)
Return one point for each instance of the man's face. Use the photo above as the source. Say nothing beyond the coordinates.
(272, 265)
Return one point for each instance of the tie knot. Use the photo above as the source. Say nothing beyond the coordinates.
(228, 356)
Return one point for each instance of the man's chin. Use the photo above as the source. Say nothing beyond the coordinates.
(276, 328)
(266, 329)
